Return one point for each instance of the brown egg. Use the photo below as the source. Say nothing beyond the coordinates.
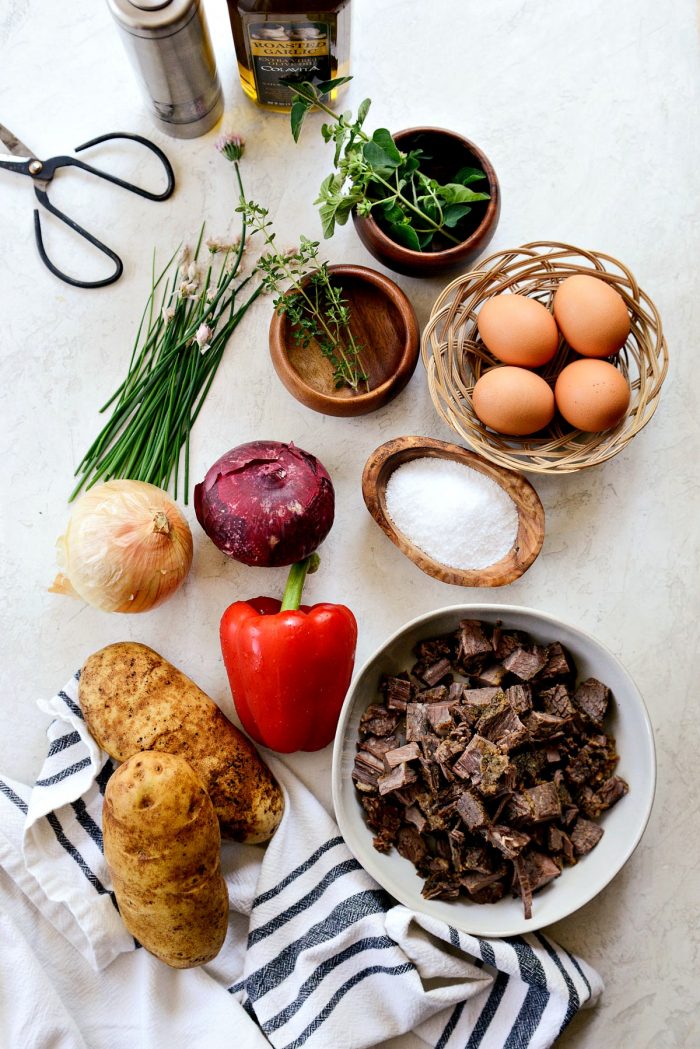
(591, 316)
(518, 330)
(513, 401)
(592, 395)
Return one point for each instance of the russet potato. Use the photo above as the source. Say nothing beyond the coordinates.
(162, 845)
(134, 700)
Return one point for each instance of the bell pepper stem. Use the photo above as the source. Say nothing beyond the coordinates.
(295, 582)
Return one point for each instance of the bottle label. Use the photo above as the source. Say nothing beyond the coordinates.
(285, 48)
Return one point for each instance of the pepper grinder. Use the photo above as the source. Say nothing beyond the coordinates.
(170, 48)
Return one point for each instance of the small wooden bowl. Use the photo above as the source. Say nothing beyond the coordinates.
(528, 542)
(383, 322)
(447, 152)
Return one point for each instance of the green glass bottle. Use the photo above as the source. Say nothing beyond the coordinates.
(283, 38)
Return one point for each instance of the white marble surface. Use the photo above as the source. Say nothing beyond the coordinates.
(589, 114)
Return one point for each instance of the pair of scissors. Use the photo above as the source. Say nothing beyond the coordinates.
(42, 171)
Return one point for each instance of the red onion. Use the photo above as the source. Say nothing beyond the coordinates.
(266, 503)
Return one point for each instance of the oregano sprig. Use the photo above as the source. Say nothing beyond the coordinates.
(372, 175)
(312, 301)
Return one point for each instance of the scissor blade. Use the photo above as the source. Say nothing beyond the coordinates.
(14, 145)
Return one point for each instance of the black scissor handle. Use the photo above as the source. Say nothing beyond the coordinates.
(43, 199)
(72, 161)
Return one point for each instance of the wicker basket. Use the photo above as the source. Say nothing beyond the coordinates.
(455, 356)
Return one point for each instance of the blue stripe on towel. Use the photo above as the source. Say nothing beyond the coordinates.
(531, 968)
(103, 775)
(87, 822)
(574, 1001)
(394, 970)
(293, 875)
(72, 705)
(450, 1026)
(535, 1002)
(489, 1011)
(14, 798)
(487, 952)
(62, 742)
(579, 970)
(369, 943)
(351, 910)
(63, 774)
(528, 1019)
(62, 840)
(304, 903)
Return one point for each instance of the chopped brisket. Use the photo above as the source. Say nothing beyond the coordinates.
(533, 870)
(593, 802)
(440, 718)
(476, 883)
(398, 691)
(491, 675)
(585, 836)
(520, 698)
(524, 664)
(409, 752)
(501, 724)
(414, 815)
(592, 698)
(416, 722)
(396, 779)
(410, 844)
(535, 805)
(543, 726)
(433, 673)
(472, 810)
(485, 765)
(558, 662)
(437, 694)
(378, 721)
(474, 646)
(557, 701)
(509, 841)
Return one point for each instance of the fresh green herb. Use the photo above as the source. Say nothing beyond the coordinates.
(173, 366)
(373, 176)
(312, 302)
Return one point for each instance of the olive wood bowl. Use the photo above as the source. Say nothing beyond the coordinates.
(530, 535)
(446, 152)
(383, 322)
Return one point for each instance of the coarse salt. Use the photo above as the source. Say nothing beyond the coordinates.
(452, 513)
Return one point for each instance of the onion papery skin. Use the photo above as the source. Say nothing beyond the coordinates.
(266, 503)
(127, 548)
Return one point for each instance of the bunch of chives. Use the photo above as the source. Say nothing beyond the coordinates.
(190, 314)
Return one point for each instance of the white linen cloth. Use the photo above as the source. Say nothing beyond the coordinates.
(316, 954)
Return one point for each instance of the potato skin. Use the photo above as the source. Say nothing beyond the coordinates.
(134, 700)
(162, 845)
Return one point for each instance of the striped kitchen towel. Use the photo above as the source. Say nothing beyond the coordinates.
(318, 955)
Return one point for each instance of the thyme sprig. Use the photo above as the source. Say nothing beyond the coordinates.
(193, 308)
(373, 175)
(312, 301)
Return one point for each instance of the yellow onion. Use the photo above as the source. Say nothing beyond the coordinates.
(127, 548)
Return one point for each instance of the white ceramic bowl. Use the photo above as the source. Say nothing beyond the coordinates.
(624, 824)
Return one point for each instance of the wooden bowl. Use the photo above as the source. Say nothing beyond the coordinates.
(528, 541)
(448, 152)
(383, 322)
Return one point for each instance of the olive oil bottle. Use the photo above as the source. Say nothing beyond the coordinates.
(275, 39)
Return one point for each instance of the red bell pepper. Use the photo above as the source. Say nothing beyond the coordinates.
(289, 665)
